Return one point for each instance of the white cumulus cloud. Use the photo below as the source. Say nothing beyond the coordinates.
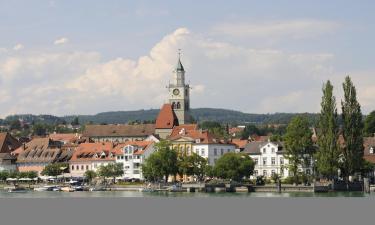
(61, 41)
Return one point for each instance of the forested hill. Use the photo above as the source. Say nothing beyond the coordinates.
(199, 114)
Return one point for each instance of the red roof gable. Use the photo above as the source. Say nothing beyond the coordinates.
(166, 118)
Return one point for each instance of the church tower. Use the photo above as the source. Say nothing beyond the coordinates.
(179, 95)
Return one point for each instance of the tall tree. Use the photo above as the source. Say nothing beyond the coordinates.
(298, 144)
(369, 129)
(161, 163)
(352, 130)
(328, 132)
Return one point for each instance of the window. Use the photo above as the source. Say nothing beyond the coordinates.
(222, 151)
(273, 150)
(281, 161)
(77, 167)
(215, 151)
(82, 167)
(256, 161)
(228, 150)
(87, 167)
(282, 171)
(118, 157)
(256, 173)
(265, 173)
(264, 161)
(264, 150)
(308, 172)
(72, 167)
(273, 161)
(272, 172)
(202, 152)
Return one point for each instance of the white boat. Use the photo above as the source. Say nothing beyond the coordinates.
(45, 188)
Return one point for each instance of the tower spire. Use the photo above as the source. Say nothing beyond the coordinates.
(179, 64)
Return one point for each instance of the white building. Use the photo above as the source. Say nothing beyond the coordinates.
(90, 156)
(269, 159)
(212, 151)
(132, 155)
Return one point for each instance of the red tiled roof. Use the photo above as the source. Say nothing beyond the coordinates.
(240, 143)
(192, 131)
(64, 137)
(87, 152)
(187, 129)
(167, 118)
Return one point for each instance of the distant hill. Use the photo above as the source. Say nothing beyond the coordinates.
(199, 114)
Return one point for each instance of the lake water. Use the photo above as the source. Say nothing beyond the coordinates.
(127, 194)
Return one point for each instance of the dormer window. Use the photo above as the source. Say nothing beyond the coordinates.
(372, 150)
(264, 150)
(96, 155)
(198, 140)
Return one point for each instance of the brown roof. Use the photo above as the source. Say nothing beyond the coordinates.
(139, 130)
(93, 152)
(240, 143)
(8, 143)
(39, 150)
(166, 119)
(187, 129)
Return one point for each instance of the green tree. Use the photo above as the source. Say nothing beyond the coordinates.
(234, 166)
(15, 125)
(4, 175)
(192, 165)
(328, 152)
(162, 163)
(352, 130)
(75, 121)
(298, 144)
(31, 174)
(90, 175)
(111, 170)
(369, 129)
(250, 130)
(40, 129)
(54, 169)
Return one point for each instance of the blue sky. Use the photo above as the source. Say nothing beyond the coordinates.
(253, 56)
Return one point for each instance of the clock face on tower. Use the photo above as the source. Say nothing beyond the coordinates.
(176, 92)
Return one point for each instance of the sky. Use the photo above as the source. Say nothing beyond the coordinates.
(85, 57)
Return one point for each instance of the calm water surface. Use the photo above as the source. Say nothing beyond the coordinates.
(126, 194)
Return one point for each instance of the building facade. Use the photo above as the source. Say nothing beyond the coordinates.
(132, 155)
(90, 156)
(269, 159)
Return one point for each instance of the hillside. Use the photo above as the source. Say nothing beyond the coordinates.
(200, 114)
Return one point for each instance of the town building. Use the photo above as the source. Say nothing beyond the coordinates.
(132, 155)
(188, 139)
(269, 159)
(38, 153)
(369, 154)
(118, 133)
(90, 156)
(8, 144)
